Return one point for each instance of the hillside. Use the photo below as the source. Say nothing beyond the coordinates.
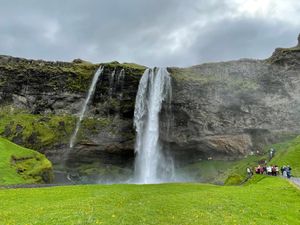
(19, 165)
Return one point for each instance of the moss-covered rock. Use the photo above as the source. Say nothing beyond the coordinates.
(35, 131)
(234, 179)
(19, 165)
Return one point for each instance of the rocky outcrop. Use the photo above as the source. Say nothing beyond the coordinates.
(232, 109)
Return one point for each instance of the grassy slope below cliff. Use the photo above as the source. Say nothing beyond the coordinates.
(267, 201)
(19, 165)
(234, 172)
(289, 154)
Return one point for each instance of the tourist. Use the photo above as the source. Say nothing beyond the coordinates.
(257, 169)
(277, 170)
(269, 170)
(249, 172)
(282, 170)
(284, 173)
(265, 169)
(271, 153)
(288, 171)
(273, 170)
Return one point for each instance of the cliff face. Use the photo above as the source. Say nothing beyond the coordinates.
(219, 110)
(40, 102)
(231, 109)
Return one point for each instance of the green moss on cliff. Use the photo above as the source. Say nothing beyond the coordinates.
(19, 165)
(81, 75)
(72, 76)
(126, 66)
(231, 83)
(35, 131)
(40, 131)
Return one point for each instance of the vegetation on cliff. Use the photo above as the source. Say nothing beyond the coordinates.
(70, 76)
(37, 131)
(19, 165)
(232, 83)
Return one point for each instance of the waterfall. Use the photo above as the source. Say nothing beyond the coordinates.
(151, 164)
(84, 107)
(111, 84)
(120, 82)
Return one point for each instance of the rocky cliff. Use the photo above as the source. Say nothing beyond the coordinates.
(220, 110)
(232, 109)
(40, 102)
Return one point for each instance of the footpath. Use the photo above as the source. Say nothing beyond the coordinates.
(295, 180)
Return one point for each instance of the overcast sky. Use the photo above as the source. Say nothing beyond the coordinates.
(148, 32)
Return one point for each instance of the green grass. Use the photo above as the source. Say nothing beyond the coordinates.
(288, 153)
(267, 201)
(212, 171)
(19, 165)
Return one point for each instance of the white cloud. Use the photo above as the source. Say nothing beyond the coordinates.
(287, 10)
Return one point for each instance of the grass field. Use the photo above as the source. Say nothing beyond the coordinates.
(266, 200)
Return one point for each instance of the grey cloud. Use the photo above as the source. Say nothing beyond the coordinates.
(140, 31)
(242, 38)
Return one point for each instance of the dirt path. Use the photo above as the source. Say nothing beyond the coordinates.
(295, 180)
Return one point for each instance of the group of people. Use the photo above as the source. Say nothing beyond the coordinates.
(272, 170)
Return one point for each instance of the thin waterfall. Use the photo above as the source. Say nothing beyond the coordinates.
(120, 83)
(151, 164)
(111, 84)
(84, 107)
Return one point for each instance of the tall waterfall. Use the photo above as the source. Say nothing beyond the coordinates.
(84, 107)
(151, 164)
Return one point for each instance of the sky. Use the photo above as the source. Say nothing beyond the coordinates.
(148, 32)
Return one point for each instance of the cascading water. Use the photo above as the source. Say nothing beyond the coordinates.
(120, 82)
(111, 84)
(151, 165)
(84, 107)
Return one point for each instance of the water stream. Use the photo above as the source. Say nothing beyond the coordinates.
(85, 104)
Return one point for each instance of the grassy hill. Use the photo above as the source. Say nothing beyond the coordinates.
(234, 172)
(267, 200)
(20, 165)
